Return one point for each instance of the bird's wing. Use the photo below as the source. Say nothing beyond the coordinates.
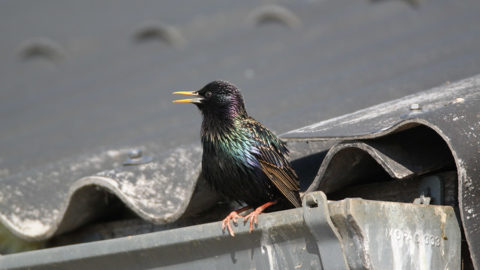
(271, 155)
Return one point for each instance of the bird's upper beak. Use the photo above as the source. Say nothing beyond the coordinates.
(198, 98)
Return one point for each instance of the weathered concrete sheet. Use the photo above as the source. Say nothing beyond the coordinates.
(112, 85)
(452, 111)
(38, 204)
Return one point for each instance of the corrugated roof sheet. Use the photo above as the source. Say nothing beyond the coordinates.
(76, 78)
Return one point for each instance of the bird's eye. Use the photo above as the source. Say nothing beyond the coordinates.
(208, 94)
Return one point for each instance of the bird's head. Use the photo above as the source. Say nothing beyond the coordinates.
(217, 97)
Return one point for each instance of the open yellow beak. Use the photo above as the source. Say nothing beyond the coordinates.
(188, 100)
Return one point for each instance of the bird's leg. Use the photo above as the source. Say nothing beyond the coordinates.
(253, 216)
(234, 215)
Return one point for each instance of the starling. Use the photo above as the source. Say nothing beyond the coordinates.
(242, 159)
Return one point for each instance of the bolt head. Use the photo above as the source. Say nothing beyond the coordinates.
(135, 153)
(415, 107)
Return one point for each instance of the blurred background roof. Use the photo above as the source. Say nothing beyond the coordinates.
(78, 75)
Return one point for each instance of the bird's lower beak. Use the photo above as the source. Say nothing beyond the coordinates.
(198, 99)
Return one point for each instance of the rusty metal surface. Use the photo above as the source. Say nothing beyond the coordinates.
(450, 110)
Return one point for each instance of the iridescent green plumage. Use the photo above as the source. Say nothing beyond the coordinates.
(242, 159)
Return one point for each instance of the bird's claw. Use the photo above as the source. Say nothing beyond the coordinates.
(252, 218)
(233, 216)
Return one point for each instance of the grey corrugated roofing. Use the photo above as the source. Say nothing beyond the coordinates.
(101, 85)
(451, 111)
(111, 89)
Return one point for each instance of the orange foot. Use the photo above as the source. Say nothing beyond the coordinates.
(253, 216)
(234, 215)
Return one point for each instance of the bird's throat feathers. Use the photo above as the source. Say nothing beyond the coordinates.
(221, 121)
(217, 127)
